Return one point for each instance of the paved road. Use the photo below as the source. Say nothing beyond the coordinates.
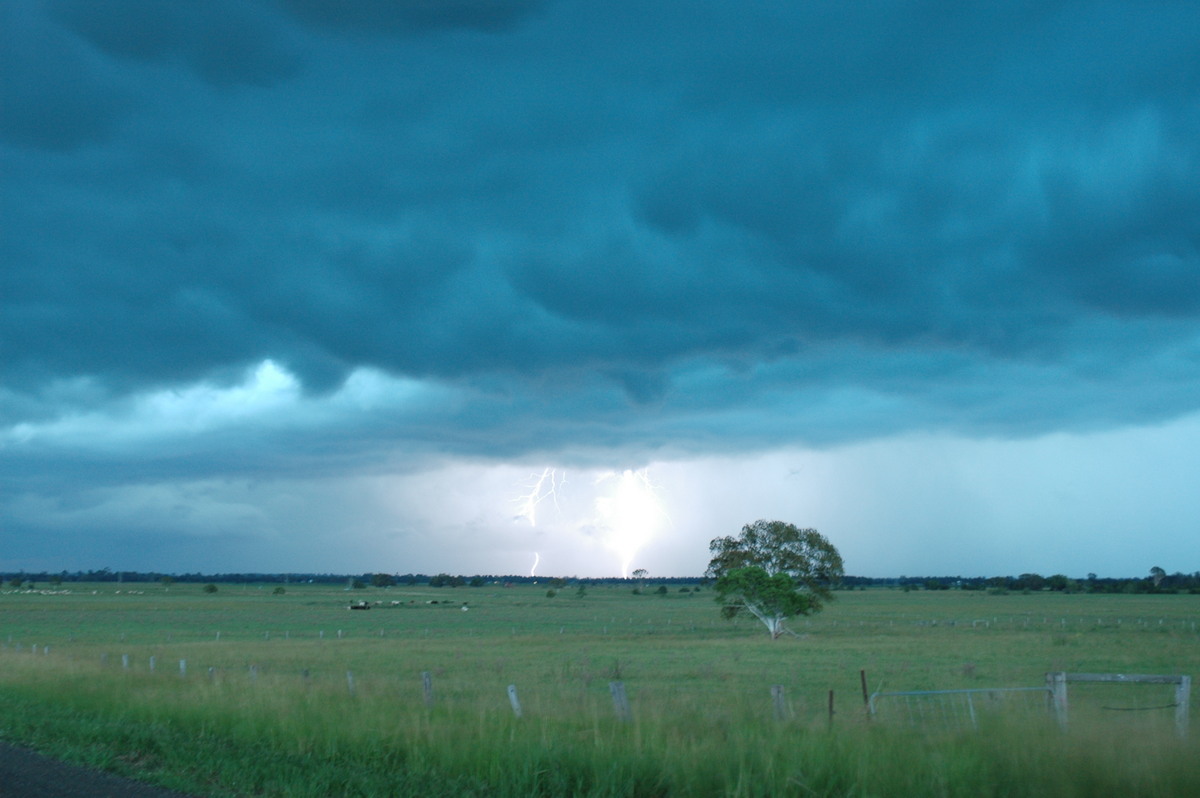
(25, 774)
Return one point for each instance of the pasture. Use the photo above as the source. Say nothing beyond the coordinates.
(295, 695)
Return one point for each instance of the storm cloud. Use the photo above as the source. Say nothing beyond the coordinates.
(308, 240)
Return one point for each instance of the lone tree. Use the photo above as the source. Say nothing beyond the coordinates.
(774, 571)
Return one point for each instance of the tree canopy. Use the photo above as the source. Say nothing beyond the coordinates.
(774, 571)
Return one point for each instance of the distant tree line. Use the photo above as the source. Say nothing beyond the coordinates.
(371, 579)
(1158, 581)
(109, 575)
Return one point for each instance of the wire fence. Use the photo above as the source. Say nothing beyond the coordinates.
(954, 710)
(947, 710)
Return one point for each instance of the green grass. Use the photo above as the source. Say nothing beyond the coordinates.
(699, 687)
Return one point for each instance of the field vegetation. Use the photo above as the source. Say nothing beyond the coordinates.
(290, 693)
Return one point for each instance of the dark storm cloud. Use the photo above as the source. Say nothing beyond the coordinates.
(692, 225)
(393, 16)
(53, 93)
(225, 43)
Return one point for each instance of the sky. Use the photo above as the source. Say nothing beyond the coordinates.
(572, 288)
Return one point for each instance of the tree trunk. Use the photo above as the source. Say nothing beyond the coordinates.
(775, 627)
(774, 623)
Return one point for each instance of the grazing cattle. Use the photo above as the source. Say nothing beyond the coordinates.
(360, 605)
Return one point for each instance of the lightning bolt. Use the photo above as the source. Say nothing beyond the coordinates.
(537, 558)
(632, 513)
(541, 487)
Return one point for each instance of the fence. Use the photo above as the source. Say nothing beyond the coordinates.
(775, 700)
(955, 709)
(949, 709)
(952, 710)
(1057, 684)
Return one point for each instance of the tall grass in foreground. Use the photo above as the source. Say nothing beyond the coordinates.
(274, 736)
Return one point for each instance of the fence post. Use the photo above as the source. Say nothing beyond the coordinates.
(620, 700)
(780, 704)
(512, 699)
(427, 684)
(1183, 694)
(125, 661)
(350, 681)
(1057, 683)
(183, 667)
(152, 660)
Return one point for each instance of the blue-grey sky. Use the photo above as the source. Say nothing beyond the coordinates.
(305, 285)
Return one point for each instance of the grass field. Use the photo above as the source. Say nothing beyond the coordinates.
(295, 695)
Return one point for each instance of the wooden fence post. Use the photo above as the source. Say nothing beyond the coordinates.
(1183, 694)
(620, 701)
(779, 702)
(512, 699)
(1057, 682)
(427, 684)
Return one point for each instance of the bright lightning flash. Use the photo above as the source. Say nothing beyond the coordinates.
(544, 486)
(632, 514)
